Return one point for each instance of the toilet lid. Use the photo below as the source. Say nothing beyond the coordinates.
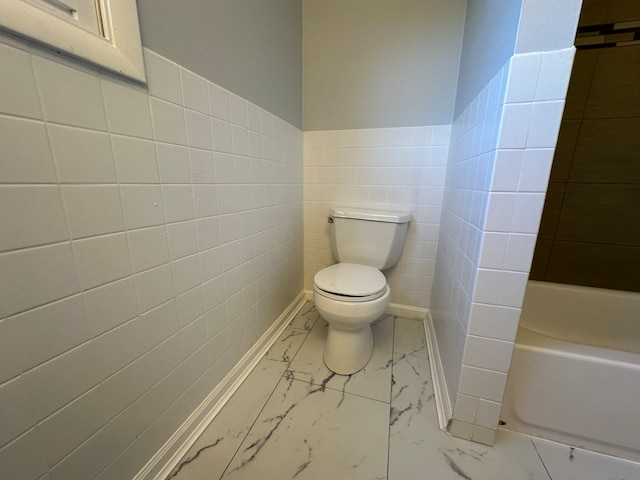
(350, 279)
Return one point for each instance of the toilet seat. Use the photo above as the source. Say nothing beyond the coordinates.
(350, 282)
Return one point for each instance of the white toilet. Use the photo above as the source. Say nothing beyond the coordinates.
(352, 294)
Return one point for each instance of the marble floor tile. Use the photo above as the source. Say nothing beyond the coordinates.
(409, 337)
(309, 432)
(373, 381)
(306, 318)
(212, 452)
(419, 449)
(568, 463)
(286, 347)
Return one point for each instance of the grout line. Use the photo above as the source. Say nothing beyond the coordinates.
(267, 400)
(393, 351)
(540, 457)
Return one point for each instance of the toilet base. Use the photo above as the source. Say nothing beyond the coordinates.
(347, 351)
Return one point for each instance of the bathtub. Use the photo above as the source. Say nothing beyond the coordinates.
(575, 372)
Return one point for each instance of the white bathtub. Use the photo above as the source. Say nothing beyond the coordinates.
(575, 372)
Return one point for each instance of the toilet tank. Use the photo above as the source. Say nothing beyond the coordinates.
(368, 237)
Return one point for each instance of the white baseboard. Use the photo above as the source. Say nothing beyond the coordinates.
(441, 394)
(163, 462)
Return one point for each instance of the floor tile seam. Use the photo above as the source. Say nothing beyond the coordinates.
(244, 437)
(393, 353)
(425, 357)
(327, 387)
(540, 457)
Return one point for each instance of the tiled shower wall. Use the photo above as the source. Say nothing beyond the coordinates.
(589, 235)
(389, 168)
(148, 239)
(501, 151)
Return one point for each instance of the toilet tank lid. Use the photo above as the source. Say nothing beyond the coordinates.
(372, 215)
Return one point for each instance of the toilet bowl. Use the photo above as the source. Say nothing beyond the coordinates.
(350, 297)
(353, 293)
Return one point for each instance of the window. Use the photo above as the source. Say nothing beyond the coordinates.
(104, 32)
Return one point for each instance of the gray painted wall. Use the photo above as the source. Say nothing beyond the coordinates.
(251, 47)
(380, 63)
(490, 32)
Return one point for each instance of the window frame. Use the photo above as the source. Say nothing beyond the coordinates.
(120, 52)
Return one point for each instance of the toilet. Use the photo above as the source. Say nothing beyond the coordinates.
(353, 293)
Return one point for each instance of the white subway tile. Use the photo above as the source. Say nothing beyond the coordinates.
(154, 286)
(213, 293)
(127, 109)
(498, 287)
(493, 250)
(205, 198)
(178, 203)
(135, 159)
(24, 457)
(190, 306)
(523, 77)
(196, 363)
(208, 233)
(465, 408)
(241, 145)
(555, 71)
(163, 77)
(545, 124)
(527, 211)
(488, 353)
(222, 136)
(173, 162)
(36, 276)
(195, 91)
(142, 205)
(159, 324)
(488, 414)
(514, 126)
(507, 169)
(19, 94)
(239, 111)
(202, 166)
(93, 209)
(16, 414)
(219, 102)
(26, 156)
(168, 122)
(110, 305)
(82, 156)
(485, 436)
(536, 167)
(48, 330)
(186, 273)
(198, 130)
(494, 321)
(255, 118)
(102, 259)
(211, 263)
(519, 253)
(59, 381)
(69, 96)
(182, 239)
(148, 247)
(31, 215)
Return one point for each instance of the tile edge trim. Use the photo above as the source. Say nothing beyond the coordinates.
(443, 402)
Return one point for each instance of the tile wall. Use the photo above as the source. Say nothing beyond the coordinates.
(498, 168)
(149, 237)
(589, 235)
(389, 168)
